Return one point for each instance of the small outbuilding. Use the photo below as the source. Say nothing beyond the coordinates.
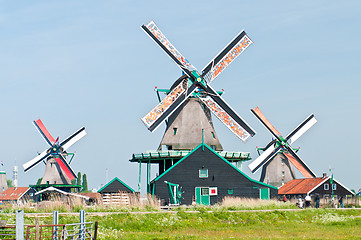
(325, 187)
(18, 195)
(116, 192)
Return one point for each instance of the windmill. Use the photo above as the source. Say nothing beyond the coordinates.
(278, 156)
(191, 92)
(57, 170)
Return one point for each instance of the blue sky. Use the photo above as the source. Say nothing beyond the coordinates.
(88, 63)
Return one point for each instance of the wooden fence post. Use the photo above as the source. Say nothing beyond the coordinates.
(37, 233)
(20, 225)
(95, 230)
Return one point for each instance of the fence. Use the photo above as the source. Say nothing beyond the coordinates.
(82, 230)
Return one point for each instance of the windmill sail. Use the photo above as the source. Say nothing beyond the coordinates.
(167, 106)
(217, 65)
(227, 119)
(154, 32)
(301, 129)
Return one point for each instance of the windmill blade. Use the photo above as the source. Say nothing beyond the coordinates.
(267, 155)
(301, 129)
(27, 166)
(240, 43)
(73, 138)
(225, 113)
(168, 105)
(257, 112)
(298, 163)
(44, 132)
(225, 118)
(65, 167)
(154, 32)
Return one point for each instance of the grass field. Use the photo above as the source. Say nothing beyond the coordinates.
(233, 219)
(220, 224)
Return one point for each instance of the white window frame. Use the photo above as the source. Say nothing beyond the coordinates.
(201, 175)
(326, 186)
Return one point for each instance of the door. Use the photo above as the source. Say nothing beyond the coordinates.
(264, 193)
(202, 195)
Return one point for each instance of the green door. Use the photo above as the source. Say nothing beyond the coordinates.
(202, 195)
(264, 193)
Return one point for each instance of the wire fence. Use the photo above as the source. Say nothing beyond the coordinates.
(82, 230)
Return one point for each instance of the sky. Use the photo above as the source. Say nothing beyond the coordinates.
(88, 63)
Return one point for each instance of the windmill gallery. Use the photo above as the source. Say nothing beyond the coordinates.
(192, 166)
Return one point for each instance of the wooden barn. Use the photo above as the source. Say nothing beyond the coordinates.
(324, 186)
(116, 192)
(205, 177)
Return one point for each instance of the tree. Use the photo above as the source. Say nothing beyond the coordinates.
(85, 183)
(10, 183)
(39, 181)
(73, 182)
(78, 180)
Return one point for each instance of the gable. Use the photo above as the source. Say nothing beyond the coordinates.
(205, 157)
(115, 186)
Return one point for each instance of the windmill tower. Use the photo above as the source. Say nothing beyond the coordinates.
(191, 94)
(3, 181)
(190, 125)
(278, 158)
(57, 171)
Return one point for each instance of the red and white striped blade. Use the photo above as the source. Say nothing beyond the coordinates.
(299, 163)
(301, 129)
(44, 132)
(65, 167)
(257, 112)
(73, 138)
(263, 158)
(27, 166)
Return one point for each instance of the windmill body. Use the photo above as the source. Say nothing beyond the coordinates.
(190, 125)
(278, 158)
(277, 171)
(58, 172)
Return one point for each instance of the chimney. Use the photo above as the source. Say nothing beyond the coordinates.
(324, 175)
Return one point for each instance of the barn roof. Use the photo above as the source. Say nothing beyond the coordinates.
(216, 153)
(306, 186)
(115, 185)
(13, 193)
(301, 186)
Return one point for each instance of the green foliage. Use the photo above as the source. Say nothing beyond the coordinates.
(78, 180)
(9, 183)
(85, 183)
(39, 181)
(73, 182)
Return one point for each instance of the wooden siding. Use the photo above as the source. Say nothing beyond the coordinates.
(115, 187)
(220, 175)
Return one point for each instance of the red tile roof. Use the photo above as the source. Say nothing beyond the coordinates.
(300, 186)
(13, 193)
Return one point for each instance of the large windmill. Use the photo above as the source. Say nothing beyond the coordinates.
(191, 92)
(57, 171)
(278, 156)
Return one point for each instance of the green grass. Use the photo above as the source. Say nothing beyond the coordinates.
(221, 224)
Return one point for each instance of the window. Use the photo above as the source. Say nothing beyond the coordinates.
(282, 161)
(283, 173)
(213, 147)
(333, 186)
(174, 131)
(213, 135)
(203, 173)
(204, 191)
(230, 191)
(326, 187)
